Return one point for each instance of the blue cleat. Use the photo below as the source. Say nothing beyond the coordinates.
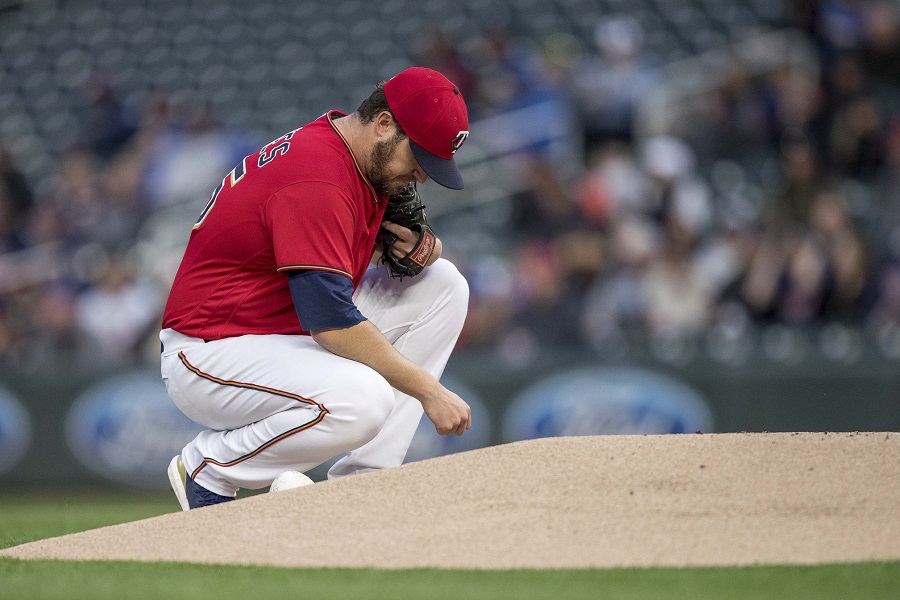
(189, 493)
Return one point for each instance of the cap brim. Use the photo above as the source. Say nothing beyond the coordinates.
(441, 170)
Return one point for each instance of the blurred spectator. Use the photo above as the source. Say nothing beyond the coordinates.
(851, 290)
(675, 192)
(437, 50)
(679, 301)
(9, 341)
(881, 52)
(16, 203)
(491, 283)
(802, 181)
(76, 195)
(734, 120)
(853, 140)
(608, 85)
(886, 211)
(886, 313)
(584, 258)
(185, 161)
(616, 305)
(803, 295)
(524, 96)
(613, 186)
(106, 126)
(547, 305)
(805, 15)
(546, 207)
(841, 25)
(51, 331)
(14, 187)
(501, 73)
(46, 225)
(544, 104)
(93, 202)
(757, 285)
(796, 104)
(118, 313)
(11, 235)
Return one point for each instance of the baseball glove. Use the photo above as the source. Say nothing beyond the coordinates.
(406, 209)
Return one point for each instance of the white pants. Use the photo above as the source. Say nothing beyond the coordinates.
(275, 403)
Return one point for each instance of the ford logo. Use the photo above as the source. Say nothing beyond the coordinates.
(126, 429)
(15, 431)
(598, 401)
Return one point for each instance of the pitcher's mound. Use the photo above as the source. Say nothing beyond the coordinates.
(605, 501)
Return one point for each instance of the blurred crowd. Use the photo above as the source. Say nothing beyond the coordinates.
(75, 292)
(773, 200)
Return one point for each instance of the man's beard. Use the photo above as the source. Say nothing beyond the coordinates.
(379, 158)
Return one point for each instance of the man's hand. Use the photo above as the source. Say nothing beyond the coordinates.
(449, 413)
(404, 221)
(364, 343)
(407, 240)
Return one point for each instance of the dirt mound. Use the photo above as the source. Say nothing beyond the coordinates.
(723, 499)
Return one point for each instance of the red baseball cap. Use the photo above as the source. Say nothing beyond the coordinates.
(432, 112)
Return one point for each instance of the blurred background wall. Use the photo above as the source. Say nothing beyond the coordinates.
(678, 216)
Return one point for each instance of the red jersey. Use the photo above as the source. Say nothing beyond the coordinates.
(301, 202)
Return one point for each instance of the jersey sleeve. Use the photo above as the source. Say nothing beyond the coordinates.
(323, 300)
(311, 224)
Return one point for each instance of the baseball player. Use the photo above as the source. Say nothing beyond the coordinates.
(280, 338)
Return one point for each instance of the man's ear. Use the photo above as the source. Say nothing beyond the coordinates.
(385, 125)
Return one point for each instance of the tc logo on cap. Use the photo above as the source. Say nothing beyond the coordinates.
(458, 141)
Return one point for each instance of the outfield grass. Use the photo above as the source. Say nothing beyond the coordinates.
(35, 517)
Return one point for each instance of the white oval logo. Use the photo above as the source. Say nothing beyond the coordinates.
(127, 429)
(598, 401)
(15, 431)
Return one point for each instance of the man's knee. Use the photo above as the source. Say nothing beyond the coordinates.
(454, 289)
(377, 402)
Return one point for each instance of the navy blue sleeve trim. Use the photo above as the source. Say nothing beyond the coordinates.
(323, 300)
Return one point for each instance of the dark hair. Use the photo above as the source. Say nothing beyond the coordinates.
(374, 105)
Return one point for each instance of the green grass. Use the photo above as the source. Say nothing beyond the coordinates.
(34, 517)
(135, 581)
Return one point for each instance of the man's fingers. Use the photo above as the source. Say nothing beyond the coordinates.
(407, 238)
(456, 428)
(453, 416)
(399, 230)
(464, 424)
